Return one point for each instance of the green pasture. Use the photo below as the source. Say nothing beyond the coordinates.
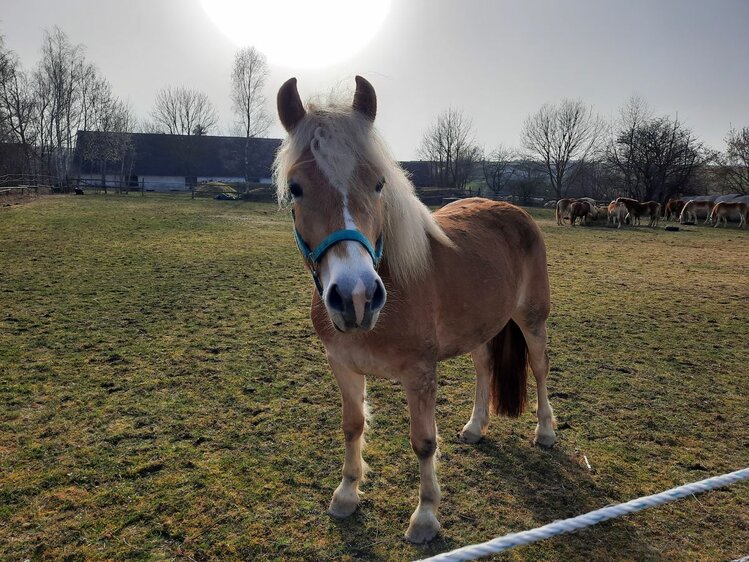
(163, 396)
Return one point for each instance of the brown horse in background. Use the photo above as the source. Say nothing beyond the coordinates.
(672, 209)
(581, 210)
(398, 289)
(649, 209)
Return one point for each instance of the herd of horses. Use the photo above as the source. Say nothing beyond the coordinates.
(625, 210)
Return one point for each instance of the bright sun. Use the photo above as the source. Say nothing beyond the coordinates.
(300, 33)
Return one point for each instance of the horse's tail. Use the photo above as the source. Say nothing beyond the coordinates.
(509, 372)
(559, 213)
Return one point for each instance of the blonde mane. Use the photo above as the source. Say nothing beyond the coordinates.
(339, 136)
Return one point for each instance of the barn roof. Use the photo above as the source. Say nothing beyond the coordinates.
(186, 155)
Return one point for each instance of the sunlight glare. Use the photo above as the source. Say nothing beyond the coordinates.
(300, 33)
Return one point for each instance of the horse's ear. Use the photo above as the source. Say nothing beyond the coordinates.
(365, 99)
(290, 108)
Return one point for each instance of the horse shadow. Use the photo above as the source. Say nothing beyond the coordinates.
(552, 484)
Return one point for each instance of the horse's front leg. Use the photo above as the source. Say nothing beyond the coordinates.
(421, 398)
(353, 393)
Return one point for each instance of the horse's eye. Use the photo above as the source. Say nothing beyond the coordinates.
(380, 185)
(295, 189)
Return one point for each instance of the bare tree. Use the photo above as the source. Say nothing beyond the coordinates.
(597, 179)
(632, 116)
(449, 147)
(17, 107)
(528, 179)
(562, 137)
(657, 157)
(6, 59)
(248, 78)
(58, 84)
(182, 111)
(733, 164)
(498, 168)
(112, 150)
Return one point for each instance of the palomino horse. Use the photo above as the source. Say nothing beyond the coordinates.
(617, 213)
(398, 289)
(727, 210)
(563, 209)
(650, 209)
(672, 209)
(692, 209)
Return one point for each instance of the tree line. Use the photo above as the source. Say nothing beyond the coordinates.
(564, 148)
(43, 108)
(568, 150)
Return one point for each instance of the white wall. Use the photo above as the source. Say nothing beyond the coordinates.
(221, 179)
(163, 183)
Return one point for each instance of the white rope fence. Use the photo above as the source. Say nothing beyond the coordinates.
(581, 521)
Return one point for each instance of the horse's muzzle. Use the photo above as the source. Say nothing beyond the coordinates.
(354, 304)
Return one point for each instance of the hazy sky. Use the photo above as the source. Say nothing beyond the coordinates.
(498, 61)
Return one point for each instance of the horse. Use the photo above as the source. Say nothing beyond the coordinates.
(593, 213)
(581, 210)
(727, 210)
(672, 209)
(650, 209)
(396, 289)
(694, 208)
(617, 213)
(563, 209)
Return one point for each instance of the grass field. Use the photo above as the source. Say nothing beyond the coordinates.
(163, 395)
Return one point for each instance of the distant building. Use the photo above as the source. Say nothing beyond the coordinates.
(170, 162)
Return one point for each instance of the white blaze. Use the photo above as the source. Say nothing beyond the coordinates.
(337, 162)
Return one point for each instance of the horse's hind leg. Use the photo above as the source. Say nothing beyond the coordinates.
(477, 425)
(353, 390)
(534, 331)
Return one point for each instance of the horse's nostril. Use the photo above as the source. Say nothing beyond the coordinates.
(335, 301)
(378, 299)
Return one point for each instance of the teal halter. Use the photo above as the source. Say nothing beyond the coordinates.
(313, 257)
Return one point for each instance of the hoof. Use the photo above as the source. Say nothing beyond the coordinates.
(423, 528)
(545, 438)
(343, 504)
(471, 433)
(469, 437)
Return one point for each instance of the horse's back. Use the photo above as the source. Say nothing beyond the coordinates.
(468, 222)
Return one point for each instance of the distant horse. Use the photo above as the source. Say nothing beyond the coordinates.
(398, 289)
(693, 209)
(726, 210)
(672, 209)
(617, 213)
(649, 209)
(581, 210)
(563, 209)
